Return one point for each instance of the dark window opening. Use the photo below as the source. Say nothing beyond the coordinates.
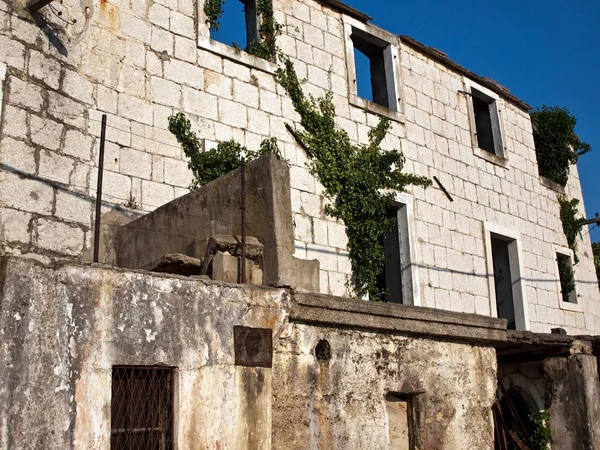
(238, 24)
(390, 280)
(487, 123)
(142, 408)
(566, 278)
(400, 421)
(503, 281)
(373, 69)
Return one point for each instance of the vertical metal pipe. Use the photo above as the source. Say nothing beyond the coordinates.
(243, 268)
(99, 189)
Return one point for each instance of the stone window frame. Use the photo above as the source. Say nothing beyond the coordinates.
(520, 304)
(226, 51)
(570, 305)
(494, 158)
(411, 294)
(2, 78)
(393, 72)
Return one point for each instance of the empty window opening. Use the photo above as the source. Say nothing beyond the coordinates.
(390, 279)
(400, 421)
(566, 278)
(238, 24)
(503, 281)
(487, 123)
(374, 69)
(362, 66)
(142, 408)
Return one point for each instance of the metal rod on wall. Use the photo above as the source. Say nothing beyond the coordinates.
(243, 268)
(99, 189)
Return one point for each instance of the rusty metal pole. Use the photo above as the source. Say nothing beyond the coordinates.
(99, 189)
(243, 268)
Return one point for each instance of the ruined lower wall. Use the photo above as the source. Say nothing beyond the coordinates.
(64, 327)
(340, 403)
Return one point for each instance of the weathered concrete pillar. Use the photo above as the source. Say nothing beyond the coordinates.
(575, 406)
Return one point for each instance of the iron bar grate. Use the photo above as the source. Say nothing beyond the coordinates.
(142, 408)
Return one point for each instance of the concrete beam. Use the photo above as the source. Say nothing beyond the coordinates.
(404, 319)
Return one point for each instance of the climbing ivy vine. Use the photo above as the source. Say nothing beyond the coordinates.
(210, 165)
(359, 179)
(556, 144)
(572, 225)
(213, 9)
(269, 28)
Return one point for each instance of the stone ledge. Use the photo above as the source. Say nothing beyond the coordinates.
(547, 182)
(414, 320)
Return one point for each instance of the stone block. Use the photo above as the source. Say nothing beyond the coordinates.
(326, 256)
(136, 163)
(107, 99)
(15, 122)
(182, 24)
(234, 70)
(155, 195)
(17, 155)
(27, 95)
(116, 188)
(78, 145)
(162, 41)
(58, 237)
(301, 179)
(245, 93)
(159, 15)
(44, 69)
(132, 81)
(177, 173)
(303, 228)
(218, 84)
(165, 92)
(185, 73)
(135, 109)
(77, 87)
(13, 52)
(72, 207)
(185, 49)
(233, 113)
(55, 167)
(45, 132)
(226, 267)
(136, 28)
(14, 226)
(200, 103)
(336, 235)
(270, 102)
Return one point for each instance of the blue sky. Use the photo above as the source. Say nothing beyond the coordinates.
(545, 52)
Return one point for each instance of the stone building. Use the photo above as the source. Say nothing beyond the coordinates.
(496, 235)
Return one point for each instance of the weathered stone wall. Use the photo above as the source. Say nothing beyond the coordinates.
(140, 60)
(64, 327)
(340, 403)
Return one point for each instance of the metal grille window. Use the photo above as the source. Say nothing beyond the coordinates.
(142, 408)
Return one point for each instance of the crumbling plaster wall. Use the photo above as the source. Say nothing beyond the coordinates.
(345, 395)
(138, 61)
(65, 326)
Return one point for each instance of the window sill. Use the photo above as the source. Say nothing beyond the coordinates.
(552, 185)
(374, 108)
(490, 157)
(576, 307)
(239, 56)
